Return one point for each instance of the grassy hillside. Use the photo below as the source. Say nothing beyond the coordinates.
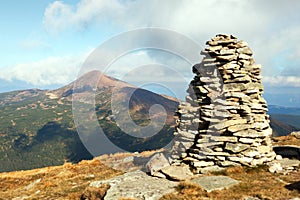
(293, 120)
(37, 131)
(37, 128)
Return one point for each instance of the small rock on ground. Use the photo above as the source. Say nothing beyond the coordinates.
(284, 165)
(156, 163)
(296, 134)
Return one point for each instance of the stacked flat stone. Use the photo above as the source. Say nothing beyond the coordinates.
(223, 121)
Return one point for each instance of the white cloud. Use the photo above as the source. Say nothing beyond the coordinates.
(270, 27)
(62, 70)
(141, 69)
(45, 72)
(58, 16)
(282, 81)
(280, 50)
(140, 65)
(191, 17)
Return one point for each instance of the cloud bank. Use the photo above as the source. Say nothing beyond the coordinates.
(49, 71)
(271, 28)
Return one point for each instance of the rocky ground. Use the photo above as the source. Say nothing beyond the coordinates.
(122, 176)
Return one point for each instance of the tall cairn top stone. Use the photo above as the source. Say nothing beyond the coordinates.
(223, 121)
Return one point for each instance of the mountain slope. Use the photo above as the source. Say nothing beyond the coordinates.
(281, 128)
(37, 128)
(37, 131)
(291, 120)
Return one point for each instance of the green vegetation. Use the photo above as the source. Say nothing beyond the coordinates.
(38, 131)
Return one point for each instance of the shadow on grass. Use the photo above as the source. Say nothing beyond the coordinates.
(293, 186)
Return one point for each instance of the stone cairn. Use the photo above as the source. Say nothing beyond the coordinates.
(223, 121)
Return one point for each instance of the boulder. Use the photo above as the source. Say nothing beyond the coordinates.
(156, 163)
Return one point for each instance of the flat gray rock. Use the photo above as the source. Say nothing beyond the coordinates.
(288, 163)
(138, 185)
(236, 147)
(178, 173)
(211, 183)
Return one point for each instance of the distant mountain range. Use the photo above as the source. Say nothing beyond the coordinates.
(287, 118)
(273, 109)
(37, 127)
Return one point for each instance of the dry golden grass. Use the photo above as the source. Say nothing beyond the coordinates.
(286, 140)
(116, 160)
(120, 156)
(255, 182)
(90, 193)
(69, 181)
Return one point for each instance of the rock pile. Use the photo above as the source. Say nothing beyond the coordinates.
(284, 166)
(223, 121)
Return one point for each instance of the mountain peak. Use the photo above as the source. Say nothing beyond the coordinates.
(102, 80)
(91, 81)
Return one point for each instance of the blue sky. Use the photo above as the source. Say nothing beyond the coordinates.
(44, 43)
